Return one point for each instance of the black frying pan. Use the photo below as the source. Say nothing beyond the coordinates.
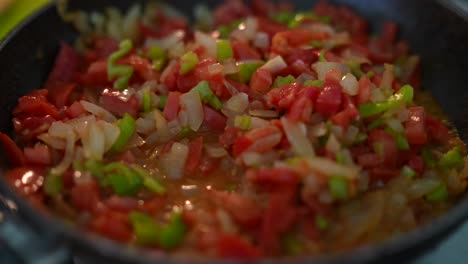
(439, 35)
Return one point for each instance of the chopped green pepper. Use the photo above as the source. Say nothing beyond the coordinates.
(322, 56)
(127, 127)
(338, 187)
(428, 158)
(243, 122)
(146, 229)
(185, 132)
(146, 101)
(123, 181)
(162, 101)
(402, 142)
(315, 83)
(96, 168)
(173, 233)
(123, 72)
(53, 184)
(224, 50)
(403, 96)
(246, 70)
(452, 159)
(300, 17)
(370, 74)
(156, 53)
(283, 80)
(188, 62)
(225, 30)
(207, 95)
(408, 172)
(355, 69)
(440, 193)
(375, 124)
(283, 17)
(149, 181)
(321, 222)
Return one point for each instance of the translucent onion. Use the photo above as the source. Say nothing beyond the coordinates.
(322, 68)
(237, 104)
(111, 133)
(208, 42)
(275, 65)
(146, 124)
(168, 42)
(98, 111)
(261, 40)
(169, 68)
(93, 141)
(53, 142)
(215, 69)
(173, 162)
(162, 129)
(332, 144)
(191, 103)
(216, 151)
(421, 187)
(319, 130)
(80, 124)
(66, 132)
(305, 77)
(395, 125)
(388, 77)
(174, 127)
(351, 134)
(264, 113)
(331, 168)
(256, 122)
(299, 142)
(350, 84)
(230, 67)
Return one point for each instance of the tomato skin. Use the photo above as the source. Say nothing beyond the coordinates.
(240, 145)
(112, 224)
(38, 155)
(437, 131)
(194, 157)
(142, 67)
(243, 51)
(14, 154)
(415, 127)
(234, 247)
(277, 176)
(349, 114)
(261, 81)
(244, 211)
(417, 164)
(36, 105)
(329, 100)
(85, 196)
(75, 110)
(365, 91)
(66, 66)
(171, 110)
(301, 110)
(214, 120)
(112, 101)
(230, 11)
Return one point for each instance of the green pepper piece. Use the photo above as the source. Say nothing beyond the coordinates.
(322, 56)
(123, 181)
(338, 187)
(156, 53)
(162, 101)
(452, 159)
(282, 17)
(243, 122)
(321, 222)
(146, 229)
(146, 101)
(127, 127)
(173, 233)
(207, 95)
(428, 158)
(375, 124)
(224, 50)
(300, 17)
(402, 142)
(53, 184)
(225, 30)
(408, 172)
(355, 69)
(246, 70)
(188, 62)
(315, 83)
(149, 181)
(403, 96)
(439, 194)
(123, 72)
(283, 80)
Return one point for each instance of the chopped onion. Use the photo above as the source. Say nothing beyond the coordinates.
(167, 71)
(275, 65)
(66, 132)
(331, 168)
(388, 77)
(421, 187)
(403, 115)
(377, 96)
(98, 111)
(135, 141)
(162, 129)
(350, 84)
(256, 122)
(215, 69)
(173, 162)
(111, 133)
(208, 42)
(230, 67)
(168, 42)
(350, 55)
(351, 134)
(261, 40)
(216, 151)
(237, 104)
(247, 30)
(395, 125)
(332, 144)
(177, 50)
(257, 159)
(145, 124)
(264, 113)
(183, 118)
(299, 142)
(305, 77)
(80, 124)
(319, 130)
(322, 68)
(191, 103)
(93, 141)
(174, 127)
(54, 142)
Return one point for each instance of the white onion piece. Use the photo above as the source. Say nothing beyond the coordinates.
(322, 68)
(174, 127)
(377, 96)
(421, 187)
(111, 133)
(237, 104)
(230, 67)
(216, 68)
(351, 134)
(275, 65)
(332, 144)
(53, 142)
(351, 55)
(135, 141)
(173, 162)
(395, 125)
(331, 168)
(167, 42)
(232, 90)
(256, 122)
(162, 129)
(319, 130)
(403, 115)
(146, 124)
(208, 42)
(264, 113)
(216, 151)
(98, 111)
(191, 103)
(251, 25)
(177, 50)
(66, 132)
(182, 116)
(299, 142)
(96, 142)
(350, 84)
(387, 78)
(166, 72)
(261, 40)
(80, 124)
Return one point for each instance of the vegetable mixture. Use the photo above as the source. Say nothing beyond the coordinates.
(258, 132)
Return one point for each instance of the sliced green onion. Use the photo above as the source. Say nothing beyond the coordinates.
(246, 70)
(146, 101)
(224, 49)
(53, 184)
(145, 228)
(188, 62)
(173, 233)
(429, 160)
(283, 80)
(207, 95)
(407, 172)
(243, 122)
(338, 187)
(321, 223)
(452, 159)
(162, 101)
(127, 127)
(403, 96)
(123, 72)
(149, 181)
(440, 193)
(322, 56)
(316, 83)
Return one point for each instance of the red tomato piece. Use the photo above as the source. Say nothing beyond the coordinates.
(38, 155)
(214, 120)
(194, 156)
(437, 131)
(244, 211)
(35, 106)
(229, 136)
(116, 104)
(365, 91)
(415, 127)
(171, 110)
(388, 143)
(417, 164)
(329, 100)
(261, 81)
(240, 145)
(243, 51)
(112, 224)
(233, 246)
(66, 66)
(85, 196)
(230, 11)
(75, 110)
(14, 154)
(59, 93)
(274, 176)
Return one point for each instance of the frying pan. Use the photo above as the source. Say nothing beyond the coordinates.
(435, 32)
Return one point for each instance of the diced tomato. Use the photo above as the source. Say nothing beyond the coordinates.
(186, 82)
(244, 211)
(369, 160)
(170, 79)
(261, 81)
(415, 127)
(194, 156)
(96, 74)
(417, 164)
(229, 136)
(308, 56)
(383, 174)
(208, 165)
(240, 145)
(141, 66)
(243, 51)
(38, 155)
(114, 102)
(66, 66)
(154, 205)
(269, 26)
(388, 143)
(233, 246)
(214, 120)
(59, 93)
(75, 110)
(35, 106)
(365, 91)
(166, 25)
(437, 131)
(275, 176)
(85, 196)
(301, 110)
(28, 128)
(14, 154)
(264, 139)
(230, 11)
(105, 46)
(171, 110)
(349, 114)
(283, 97)
(112, 224)
(262, 7)
(284, 42)
(329, 100)
(122, 204)
(126, 157)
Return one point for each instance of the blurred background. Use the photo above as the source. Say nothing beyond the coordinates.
(451, 251)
